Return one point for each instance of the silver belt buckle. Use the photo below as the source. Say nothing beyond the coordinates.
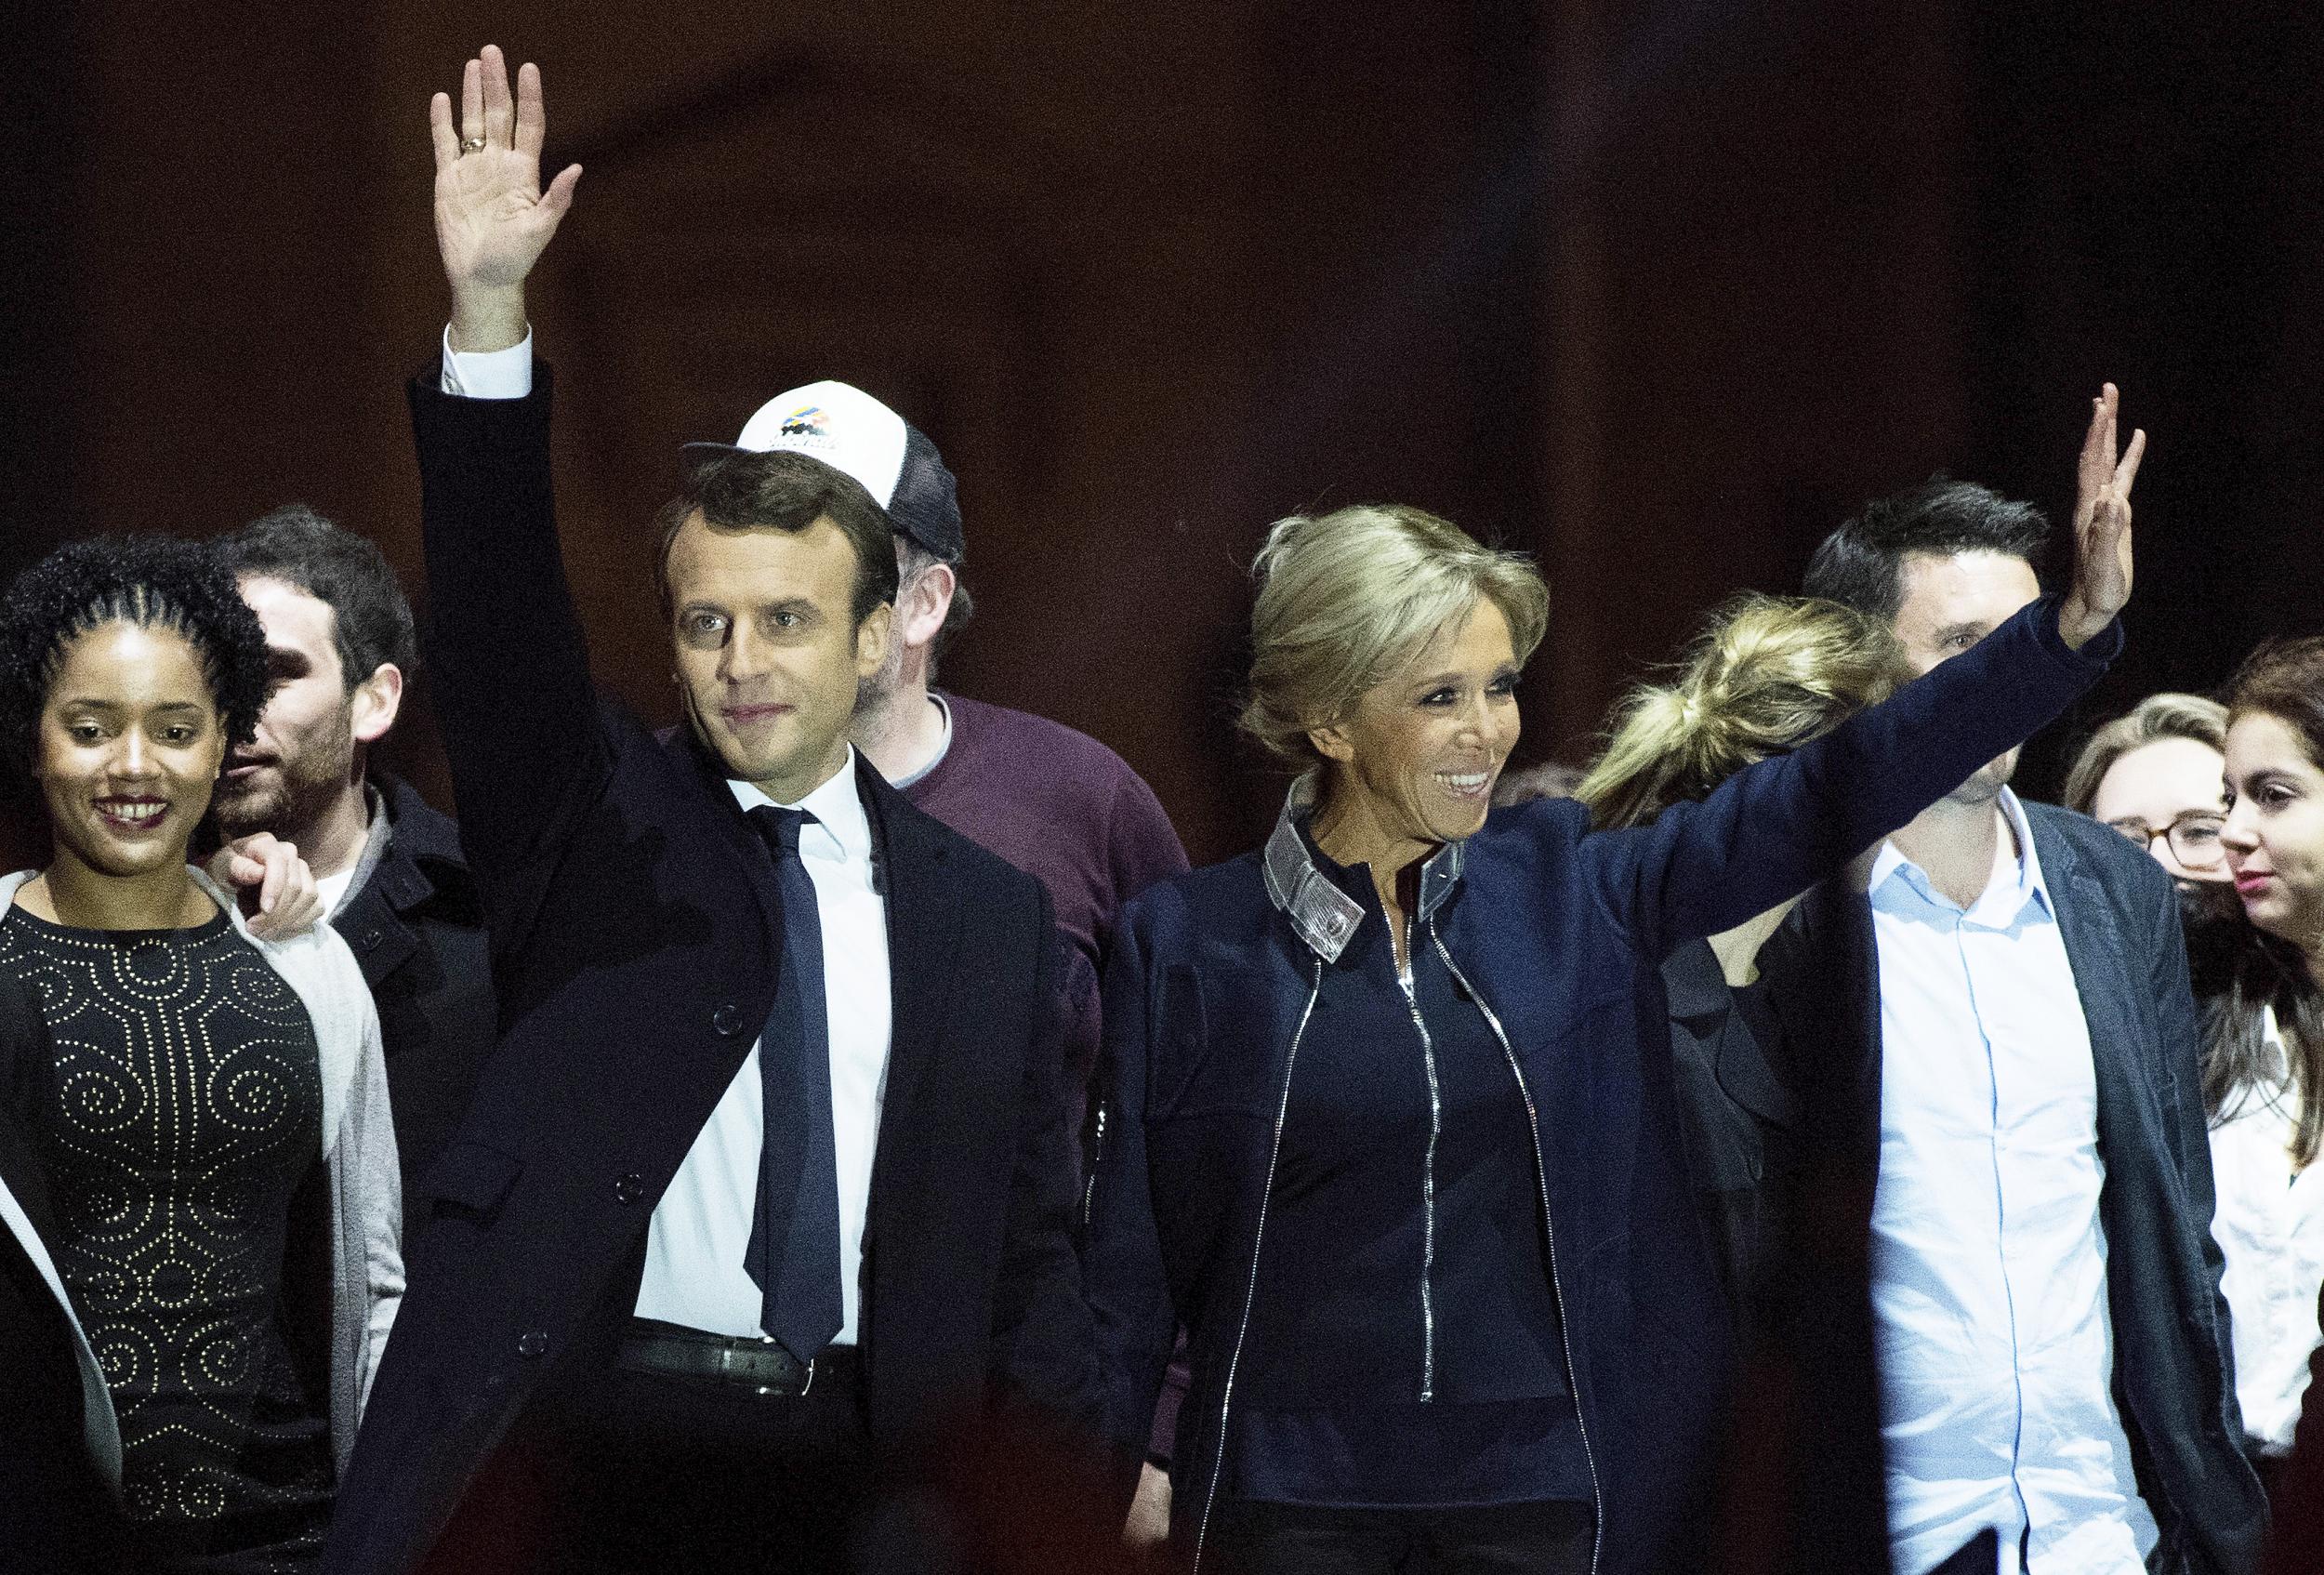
(763, 1390)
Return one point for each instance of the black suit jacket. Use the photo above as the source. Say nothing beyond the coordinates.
(2118, 917)
(635, 928)
(416, 927)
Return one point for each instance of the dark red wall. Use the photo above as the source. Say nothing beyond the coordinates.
(1655, 291)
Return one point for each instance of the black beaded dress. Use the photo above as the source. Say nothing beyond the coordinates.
(182, 1111)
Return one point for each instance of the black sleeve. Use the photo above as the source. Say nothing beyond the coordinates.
(1043, 1351)
(521, 725)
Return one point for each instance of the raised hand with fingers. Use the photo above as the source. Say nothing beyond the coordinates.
(2102, 524)
(492, 219)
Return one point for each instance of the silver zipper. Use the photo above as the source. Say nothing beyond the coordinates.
(1089, 1163)
(1250, 1290)
(1549, 1231)
(1428, 1190)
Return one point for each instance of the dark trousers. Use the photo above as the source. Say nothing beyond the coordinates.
(1537, 1539)
(612, 1471)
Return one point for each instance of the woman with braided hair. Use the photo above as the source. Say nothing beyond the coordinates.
(199, 1200)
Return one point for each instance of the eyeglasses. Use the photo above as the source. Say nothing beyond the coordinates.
(2194, 838)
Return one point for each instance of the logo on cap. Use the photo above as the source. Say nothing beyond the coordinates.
(807, 421)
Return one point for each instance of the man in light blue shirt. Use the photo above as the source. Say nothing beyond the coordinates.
(2050, 1347)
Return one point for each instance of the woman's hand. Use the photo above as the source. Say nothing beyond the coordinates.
(276, 889)
(2102, 527)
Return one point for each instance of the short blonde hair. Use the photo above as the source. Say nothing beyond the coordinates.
(1348, 600)
(2157, 717)
(1765, 676)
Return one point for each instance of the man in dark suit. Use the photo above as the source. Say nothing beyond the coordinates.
(1991, 1029)
(768, 1182)
(387, 865)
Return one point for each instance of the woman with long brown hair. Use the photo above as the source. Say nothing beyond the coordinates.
(2264, 1073)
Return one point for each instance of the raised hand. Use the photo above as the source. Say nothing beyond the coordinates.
(2102, 524)
(492, 217)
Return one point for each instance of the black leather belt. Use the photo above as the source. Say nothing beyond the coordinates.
(759, 1365)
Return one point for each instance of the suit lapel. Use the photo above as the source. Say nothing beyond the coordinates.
(925, 912)
(2097, 953)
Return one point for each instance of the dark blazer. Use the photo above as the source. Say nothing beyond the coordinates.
(416, 927)
(52, 1496)
(635, 930)
(1736, 1117)
(1559, 934)
(2118, 917)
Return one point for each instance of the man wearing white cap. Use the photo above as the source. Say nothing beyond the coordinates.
(1056, 804)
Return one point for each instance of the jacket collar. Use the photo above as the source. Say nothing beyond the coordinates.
(1323, 915)
(420, 852)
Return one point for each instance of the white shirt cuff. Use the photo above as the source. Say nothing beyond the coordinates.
(494, 373)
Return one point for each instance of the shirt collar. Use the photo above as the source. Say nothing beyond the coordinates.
(376, 835)
(1324, 916)
(842, 830)
(943, 746)
(2017, 879)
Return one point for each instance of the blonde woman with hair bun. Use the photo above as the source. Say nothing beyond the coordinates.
(1766, 675)
(1388, 1124)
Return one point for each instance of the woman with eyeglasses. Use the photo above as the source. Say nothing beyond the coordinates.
(2161, 775)
(2157, 777)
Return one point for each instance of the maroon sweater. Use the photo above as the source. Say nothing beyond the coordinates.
(1059, 805)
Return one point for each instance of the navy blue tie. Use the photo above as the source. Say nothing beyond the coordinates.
(794, 1253)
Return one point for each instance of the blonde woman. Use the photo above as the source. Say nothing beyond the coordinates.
(1766, 675)
(1386, 1127)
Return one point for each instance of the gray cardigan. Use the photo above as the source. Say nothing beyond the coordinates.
(358, 1149)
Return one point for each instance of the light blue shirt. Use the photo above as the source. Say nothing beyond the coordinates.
(1988, 1257)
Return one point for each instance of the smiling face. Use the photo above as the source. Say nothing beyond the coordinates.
(2274, 830)
(1414, 765)
(2170, 783)
(767, 653)
(129, 749)
(1947, 604)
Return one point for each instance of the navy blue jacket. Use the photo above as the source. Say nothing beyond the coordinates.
(2173, 1374)
(635, 928)
(1560, 934)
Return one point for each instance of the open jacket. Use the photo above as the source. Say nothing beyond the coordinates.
(1558, 933)
(416, 925)
(366, 1266)
(2173, 1374)
(635, 929)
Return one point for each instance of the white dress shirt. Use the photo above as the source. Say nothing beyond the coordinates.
(701, 1227)
(2270, 1225)
(492, 373)
(1989, 1267)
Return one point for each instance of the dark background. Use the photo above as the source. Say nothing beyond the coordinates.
(1655, 291)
